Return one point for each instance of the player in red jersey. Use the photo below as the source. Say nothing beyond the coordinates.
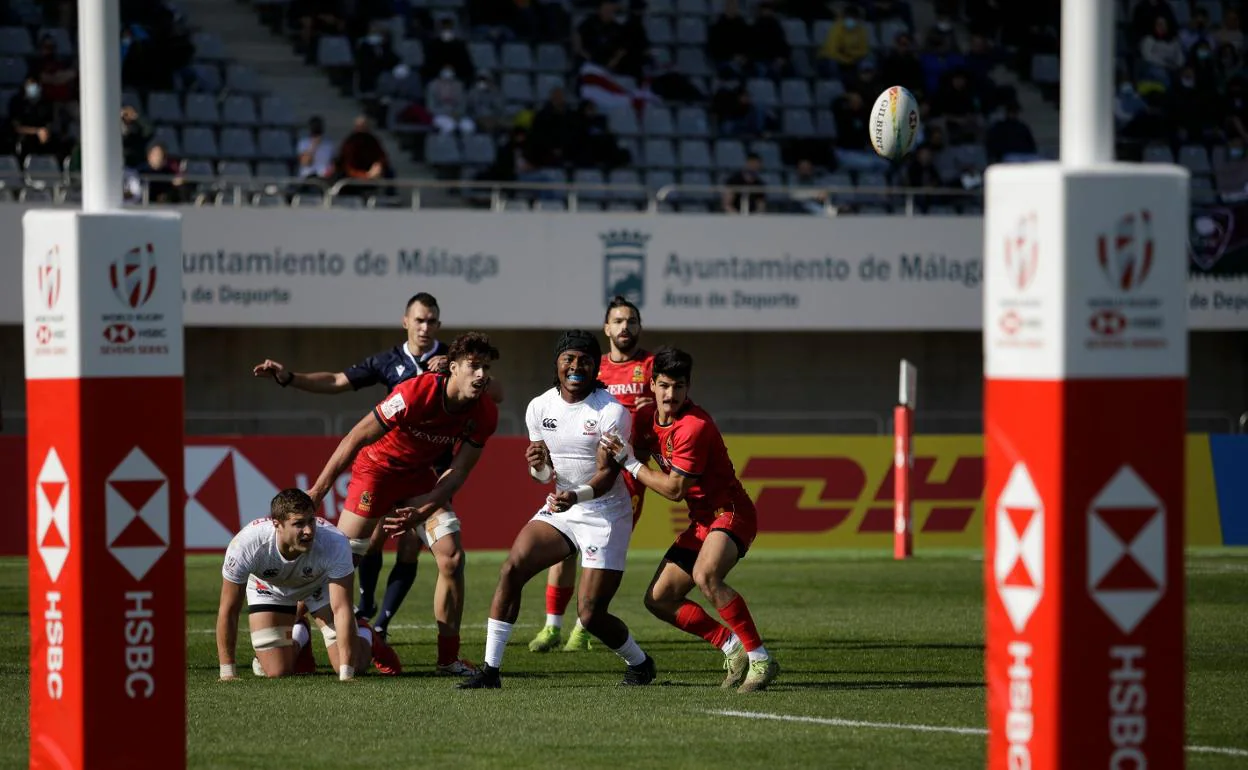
(394, 450)
(695, 467)
(625, 370)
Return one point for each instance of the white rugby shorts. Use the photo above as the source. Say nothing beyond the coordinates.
(602, 542)
(261, 594)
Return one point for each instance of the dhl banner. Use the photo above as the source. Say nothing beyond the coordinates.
(811, 491)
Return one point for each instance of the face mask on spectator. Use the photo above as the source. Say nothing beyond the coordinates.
(1126, 89)
(851, 23)
(483, 84)
(373, 39)
(1203, 53)
(32, 90)
(944, 26)
(448, 35)
(447, 73)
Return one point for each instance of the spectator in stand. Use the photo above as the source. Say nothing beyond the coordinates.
(601, 39)
(316, 151)
(513, 163)
(736, 113)
(1009, 140)
(980, 60)
(901, 64)
(486, 105)
(853, 145)
(866, 80)
(1194, 107)
(886, 10)
(491, 19)
(162, 176)
(135, 135)
(1200, 58)
(315, 18)
(1196, 31)
(727, 42)
(58, 77)
(448, 104)
(770, 48)
(553, 137)
(636, 42)
(1236, 123)
(1134, 117)
(1160, 53)
(846, 44)
(33, 121)
(921, 173)
(806, 199)
(596, 146)
(941, 37)
(1144, 17)
(742, 202)
(363, 157)
(447, 50)
(960, 109)
(1229, 65)
(1230, 33)
(373, 56)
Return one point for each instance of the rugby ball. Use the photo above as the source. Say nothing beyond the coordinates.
(894, 123)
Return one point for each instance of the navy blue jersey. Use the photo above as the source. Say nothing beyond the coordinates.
(390, 367)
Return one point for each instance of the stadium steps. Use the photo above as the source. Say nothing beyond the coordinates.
(284, 72)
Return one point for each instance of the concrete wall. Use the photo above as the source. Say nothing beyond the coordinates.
(808, 382)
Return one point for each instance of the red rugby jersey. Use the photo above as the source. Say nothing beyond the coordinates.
(629, 380)
(419, 427)
(693, 446)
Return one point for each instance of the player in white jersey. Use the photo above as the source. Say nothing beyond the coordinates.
(590, 512)
(288, 557)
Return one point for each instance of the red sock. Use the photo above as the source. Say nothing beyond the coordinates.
(448, 649)
(691, 618)
(737, 616)
(557, 598)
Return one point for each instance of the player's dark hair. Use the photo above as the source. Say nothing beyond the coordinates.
(585, 342)
(472, 344)
(673, 363)
(424, 298)
(290, 502)
(619, 301)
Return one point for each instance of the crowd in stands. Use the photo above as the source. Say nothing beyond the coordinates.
(648, 93)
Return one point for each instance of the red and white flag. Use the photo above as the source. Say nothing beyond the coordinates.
(611, 91)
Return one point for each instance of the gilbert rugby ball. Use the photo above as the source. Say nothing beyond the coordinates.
(894, 123)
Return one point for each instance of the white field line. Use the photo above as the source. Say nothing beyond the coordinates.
(831, 722)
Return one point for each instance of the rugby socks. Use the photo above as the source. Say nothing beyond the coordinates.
(557, 598)
(448, 649)
(400, 581)
(692, 619)
(370, 572)
(496, 635)
(737, 616)
(300, 635)
(631, 652)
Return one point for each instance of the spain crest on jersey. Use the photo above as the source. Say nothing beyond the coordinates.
(624, 265)
(639, 374)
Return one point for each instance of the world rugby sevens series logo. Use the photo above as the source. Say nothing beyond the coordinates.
(1022, 251)
(1126, 255)
(133, 276)
(48, 277)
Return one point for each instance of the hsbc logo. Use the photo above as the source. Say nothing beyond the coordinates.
(1126, 549)
(133, 276)
(118, 334)
(136, 509)
(52, 514)
(1018, 563)
(1107, 323)
(48, 277)
(43, 334)
(1011, 323)
(1022, 251)
(1126, 256)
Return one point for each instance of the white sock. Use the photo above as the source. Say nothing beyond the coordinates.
(554, 620)
(631, 652)
(300, 636)
(365, 634)
(730, 646)
(758, 653)
(496, 635)
(579, 625)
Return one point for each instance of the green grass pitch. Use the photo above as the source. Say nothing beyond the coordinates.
(860, 638)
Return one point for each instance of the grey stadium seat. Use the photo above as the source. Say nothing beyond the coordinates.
(659, 30)
(517, 57)
(769, 153)
(729, 154)
(797, 123)
(692, 123)
(199, 142)
(208, 47)
(275, 143)
(796, 33)
(657, 121)
(518, 88)
(623, 122)
(238, 143)
(442, 150)
(64, 41)
(12, 71)
(547, 82)
(483, 55)
(551, 57)
(200, 168)
(694, 154)
(763, 92)
(691, 31)
(164, 107)
(826, 92)
(202, 109)
(209, 76)
(590, 176)
(692, 8)
(411, 52)
(825, 124)
(691, 61)
(333, 51)
(1195, 159)
(795, 93)
(276, 111)
(239, 110)
(659, 153)
(170, 137)
(235, 169)
(15, 41)
(272, 169)
(624, 177)
(479, 150)
(241, 79)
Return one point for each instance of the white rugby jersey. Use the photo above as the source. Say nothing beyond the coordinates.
(253, 551)
(571, 433)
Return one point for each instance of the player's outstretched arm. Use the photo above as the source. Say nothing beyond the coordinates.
(340, 592)
(311, 382)
(227, 627)
(673, 486)
(365, 432)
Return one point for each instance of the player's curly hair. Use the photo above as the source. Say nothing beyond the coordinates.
(472, 344)
(290, 502)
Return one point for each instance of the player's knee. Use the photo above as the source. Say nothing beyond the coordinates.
(707, 581)
(655, 603)
(591, 612)
(451, 564)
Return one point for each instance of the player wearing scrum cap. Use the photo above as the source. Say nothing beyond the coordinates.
(589, 512)
(288, 557)
(625, 370)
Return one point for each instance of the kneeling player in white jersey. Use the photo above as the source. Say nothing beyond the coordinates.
(278, 561)
(589, 513)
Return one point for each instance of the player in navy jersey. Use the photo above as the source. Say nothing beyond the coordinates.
(421, 352)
